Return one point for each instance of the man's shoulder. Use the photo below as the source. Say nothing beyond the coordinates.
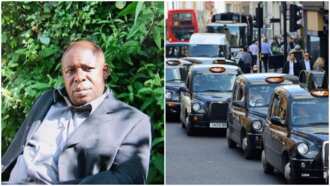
(119, 107)
(45, 96)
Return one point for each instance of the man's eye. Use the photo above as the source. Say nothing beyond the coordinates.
(88, 68)
(70, 71)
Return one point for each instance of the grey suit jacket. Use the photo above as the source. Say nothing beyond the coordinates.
(112, 146)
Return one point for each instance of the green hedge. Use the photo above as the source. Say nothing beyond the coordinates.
(131, 34)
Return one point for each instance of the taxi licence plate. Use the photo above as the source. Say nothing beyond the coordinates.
(218, 125)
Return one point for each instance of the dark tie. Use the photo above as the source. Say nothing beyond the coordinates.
(84, 110)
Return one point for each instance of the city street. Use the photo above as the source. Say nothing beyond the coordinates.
(205, 159)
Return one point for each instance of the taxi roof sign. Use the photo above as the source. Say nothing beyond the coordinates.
(320, 93)
(173, 62)
(217, 69)
(277, 79)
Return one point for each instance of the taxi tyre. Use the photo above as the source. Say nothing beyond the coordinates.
(268, 168)
(289, 176)
(230, 142)
(189, 129)
(247, 148)
(183, 123)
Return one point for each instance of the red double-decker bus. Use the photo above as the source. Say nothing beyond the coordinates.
(180, 25)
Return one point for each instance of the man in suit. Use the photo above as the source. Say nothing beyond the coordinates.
(292, 66)
(80, 133)
(307, 63)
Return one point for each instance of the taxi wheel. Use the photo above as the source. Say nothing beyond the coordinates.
(189, 129)
(268, 168)
(182, 125)
(247, 148)
(230, 142)
(290, 178)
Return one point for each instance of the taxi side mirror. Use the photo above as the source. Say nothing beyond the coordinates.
(276, 121)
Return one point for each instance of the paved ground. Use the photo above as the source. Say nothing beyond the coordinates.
(206, 159)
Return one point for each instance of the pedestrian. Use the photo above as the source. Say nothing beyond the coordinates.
(306, 63)
(253, 48)
(245, 60)
(299, 53)
(275, 46)
(319, 64)
(266, 52)
(80, 133)
(291, 66)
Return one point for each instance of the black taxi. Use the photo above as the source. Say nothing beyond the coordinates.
(296, 134)
(176, 71)
(204, 100)
(248, 109)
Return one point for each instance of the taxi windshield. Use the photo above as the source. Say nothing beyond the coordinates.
(173, 74)
(213, 82)
(176, 51)
(259, 96)
(309, 112)
(207, 51)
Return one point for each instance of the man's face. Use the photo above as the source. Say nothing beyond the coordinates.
(84, 75)
(292, 57)
(306, 56)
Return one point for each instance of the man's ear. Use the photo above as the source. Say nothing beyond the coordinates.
(105, 72)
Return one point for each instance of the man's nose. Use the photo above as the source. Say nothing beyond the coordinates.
(79, 76)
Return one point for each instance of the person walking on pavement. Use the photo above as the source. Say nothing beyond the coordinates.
(245, 61)
(253, 48)
(265, 52)
(292, 66)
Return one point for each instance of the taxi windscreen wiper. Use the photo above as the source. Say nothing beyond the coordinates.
(174, 80)
(208, 90)
(313, 124)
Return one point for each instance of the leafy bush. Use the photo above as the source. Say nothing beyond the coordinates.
(34, 35)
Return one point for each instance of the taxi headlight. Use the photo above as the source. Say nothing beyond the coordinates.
(168, 95)
(256, 125)
(197, 107)
(302, 148)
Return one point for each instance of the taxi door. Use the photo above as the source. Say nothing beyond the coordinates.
(238, 111)
(279, 132)
(185, 98)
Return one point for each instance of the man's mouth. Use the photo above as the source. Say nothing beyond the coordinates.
(81, 92)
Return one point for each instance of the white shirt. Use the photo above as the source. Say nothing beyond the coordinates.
(253, 48)
(39, 161)
(291, 66)
(307, 65)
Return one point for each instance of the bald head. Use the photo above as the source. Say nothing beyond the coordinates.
(85, 44)
(84, 72)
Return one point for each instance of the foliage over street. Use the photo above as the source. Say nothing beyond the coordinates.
(34, 35)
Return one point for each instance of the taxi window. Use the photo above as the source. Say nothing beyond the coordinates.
(176, 51)
(173, 74)
(259, 96)
(279, 108)
(283, 108)
(240, 94)
(213, 82)
(309, 112)
(275, 107)
(207, 51)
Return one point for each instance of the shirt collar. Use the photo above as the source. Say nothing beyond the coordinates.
(60, 95)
